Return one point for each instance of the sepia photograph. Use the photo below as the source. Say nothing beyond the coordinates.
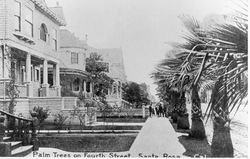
(124, 78)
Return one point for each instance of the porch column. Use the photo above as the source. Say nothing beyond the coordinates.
(45, 85)
(57, 79)
(91, 87)
(120, 90)
(117, 90)
(28, 76)
(54, 75)
(84, 86)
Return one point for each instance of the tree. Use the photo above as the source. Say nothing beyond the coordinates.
(221, 53)
(144, 93)
(223, 58)
(135, 94)
(97, 74)
(97, 70)
(166, 76)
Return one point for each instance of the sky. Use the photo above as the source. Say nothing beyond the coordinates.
(140, 27)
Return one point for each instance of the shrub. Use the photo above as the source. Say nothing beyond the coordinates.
(40, 113)
(79, 114)
(59, 120)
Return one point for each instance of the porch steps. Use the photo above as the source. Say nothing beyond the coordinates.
(15, 144)
(5, 139)
(17, 148)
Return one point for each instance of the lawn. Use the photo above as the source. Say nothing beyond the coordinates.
(89, 142)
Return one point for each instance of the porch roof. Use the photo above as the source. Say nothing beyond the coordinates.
(72, 71)
(31, 51)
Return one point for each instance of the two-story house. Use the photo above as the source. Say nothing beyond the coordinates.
(72, 56)
(30, 33)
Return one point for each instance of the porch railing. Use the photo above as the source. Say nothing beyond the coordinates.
(22, 89)
(87, 94)
(112, 96)
(3, 88)
(19, 129)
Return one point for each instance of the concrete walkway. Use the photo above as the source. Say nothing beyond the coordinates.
(157, 138)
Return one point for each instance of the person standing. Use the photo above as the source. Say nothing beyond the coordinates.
(157, 110)
(160, 110)
(150, 110)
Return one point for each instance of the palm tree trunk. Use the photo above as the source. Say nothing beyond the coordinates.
(197, 128)
(182, 120)
(221, 143)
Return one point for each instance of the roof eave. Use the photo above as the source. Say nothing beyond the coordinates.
(50, 13)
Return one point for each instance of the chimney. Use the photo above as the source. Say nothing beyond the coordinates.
(86, 38)
(57, 4)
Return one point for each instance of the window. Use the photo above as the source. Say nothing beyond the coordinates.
(28, 21)
(17, 16)
(43, 32)
(76, 85)
(74, 58)
(32, 73)
(88, 87)
(54, 39)
(37, 74)
(23, 73)
(114, 89)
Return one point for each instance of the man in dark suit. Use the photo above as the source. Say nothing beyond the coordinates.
(150, 110)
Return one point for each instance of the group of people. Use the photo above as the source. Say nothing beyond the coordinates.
(157, 110)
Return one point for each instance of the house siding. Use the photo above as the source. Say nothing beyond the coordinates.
(38, 19)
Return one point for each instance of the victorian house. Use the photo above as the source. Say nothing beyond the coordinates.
(72, 56)
(30, 33)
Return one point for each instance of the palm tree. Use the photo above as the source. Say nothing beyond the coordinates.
(224, 56)
(186, 67)
(166, 74)
(231, 86)
(221, 56)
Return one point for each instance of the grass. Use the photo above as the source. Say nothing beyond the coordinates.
(89, 142)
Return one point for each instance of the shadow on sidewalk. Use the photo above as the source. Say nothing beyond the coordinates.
(195, 147)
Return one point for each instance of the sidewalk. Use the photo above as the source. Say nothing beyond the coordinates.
(118, 124)
(157, 138)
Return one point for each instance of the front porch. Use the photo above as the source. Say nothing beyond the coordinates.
(30, 74)
(75, 83)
